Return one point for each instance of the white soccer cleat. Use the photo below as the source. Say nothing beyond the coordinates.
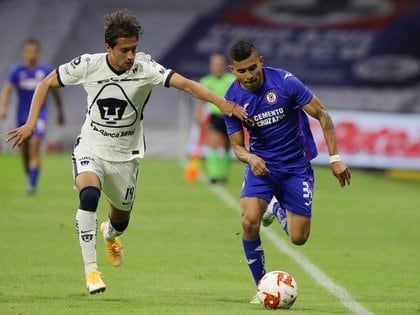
(269, 216)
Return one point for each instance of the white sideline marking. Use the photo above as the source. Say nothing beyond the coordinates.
(317, 274)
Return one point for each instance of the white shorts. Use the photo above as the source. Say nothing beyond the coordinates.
(118, 179)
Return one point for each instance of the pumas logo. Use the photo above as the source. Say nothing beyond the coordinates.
(111, 110)
(85, 160)
(86, 237)
(271, 97)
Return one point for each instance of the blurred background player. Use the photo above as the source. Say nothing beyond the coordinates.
(24, 78)
(280, 150)
(213, 143)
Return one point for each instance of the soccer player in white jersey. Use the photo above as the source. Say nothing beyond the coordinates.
(107, 151)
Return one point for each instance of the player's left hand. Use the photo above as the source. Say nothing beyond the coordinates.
(234, 109)
(19, 135)
(341, 172)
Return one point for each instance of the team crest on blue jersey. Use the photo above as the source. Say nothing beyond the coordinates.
(271, 97)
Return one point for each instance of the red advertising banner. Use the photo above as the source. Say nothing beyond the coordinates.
(374, 140)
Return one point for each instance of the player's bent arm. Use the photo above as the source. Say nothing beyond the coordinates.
(237, 142)
(201, 92)
(4, 99)
(315, 109)
(40, 95)
(257, 164)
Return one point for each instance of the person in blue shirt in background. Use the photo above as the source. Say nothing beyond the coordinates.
(278, 180)
(24, 78)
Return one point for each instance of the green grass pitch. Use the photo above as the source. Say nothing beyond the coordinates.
(183, 252)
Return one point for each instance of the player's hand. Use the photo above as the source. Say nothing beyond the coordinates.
(19, 135)
(231, 108)
(257, 165)
(341, 172)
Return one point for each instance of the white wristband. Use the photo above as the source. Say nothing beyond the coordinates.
(334, 158)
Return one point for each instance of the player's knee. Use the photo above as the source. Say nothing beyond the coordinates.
(251, 228)
(89, 198)
(298, 239)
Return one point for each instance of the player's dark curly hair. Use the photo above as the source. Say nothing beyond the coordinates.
(121, 23)
(242, 50)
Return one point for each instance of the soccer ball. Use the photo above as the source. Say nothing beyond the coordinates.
(277, 289)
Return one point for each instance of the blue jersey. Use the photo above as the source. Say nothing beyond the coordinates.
(278, 127)
(25, 80)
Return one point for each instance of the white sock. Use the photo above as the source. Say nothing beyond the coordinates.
(86, 226)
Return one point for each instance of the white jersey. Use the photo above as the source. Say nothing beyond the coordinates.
(115, 102)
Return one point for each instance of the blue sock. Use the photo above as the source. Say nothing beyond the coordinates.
(33, 173)
(254, 254)
(281, 216)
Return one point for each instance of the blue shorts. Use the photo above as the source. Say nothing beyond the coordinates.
(293, 187)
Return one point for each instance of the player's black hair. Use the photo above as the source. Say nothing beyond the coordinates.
(122, 23)
(32, 41)
(242, 50)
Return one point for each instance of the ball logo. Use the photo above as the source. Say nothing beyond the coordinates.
(271, 97)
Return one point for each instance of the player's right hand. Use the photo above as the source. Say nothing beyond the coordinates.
(19, 135)
(341, 172)
(257, 165)
(234, 109)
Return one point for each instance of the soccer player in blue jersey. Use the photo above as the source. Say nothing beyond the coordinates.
(24, 78)
(278, 171)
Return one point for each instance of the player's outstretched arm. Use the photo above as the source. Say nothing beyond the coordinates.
(199, 91)
(338, 168)
(19, 135)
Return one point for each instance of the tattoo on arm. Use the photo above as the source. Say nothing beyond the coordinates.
(325, 119)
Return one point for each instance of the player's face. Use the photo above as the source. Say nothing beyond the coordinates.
(249, 72)
(31, 54)
(122, 55)
(218, 65)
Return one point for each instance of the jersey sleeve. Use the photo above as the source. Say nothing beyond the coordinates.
(233, 124)
(156, 73)
(299, 92)
(73, 72)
